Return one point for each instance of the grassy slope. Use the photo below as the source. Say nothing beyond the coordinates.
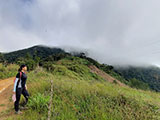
(80, 94)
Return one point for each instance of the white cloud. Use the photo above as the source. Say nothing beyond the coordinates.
(114, 32)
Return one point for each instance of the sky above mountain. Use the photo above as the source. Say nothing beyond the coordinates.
(112, 31)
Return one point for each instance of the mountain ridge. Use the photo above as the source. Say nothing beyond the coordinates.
(46, 53)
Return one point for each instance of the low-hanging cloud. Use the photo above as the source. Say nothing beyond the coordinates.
(112, 31)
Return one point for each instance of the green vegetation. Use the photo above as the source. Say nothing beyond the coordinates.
(148, 75)
(8, 70)
(81, 99)
(39, 51)
(133, 82)
(47, 57)
(79, 94)
(29, 61)
(138, 84)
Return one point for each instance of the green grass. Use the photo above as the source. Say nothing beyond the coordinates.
(2, 105)
(80, 95)
(102, 101)
(8, 71)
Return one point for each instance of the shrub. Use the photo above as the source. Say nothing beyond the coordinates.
(138, 84)
(9, 70)
(39, 102)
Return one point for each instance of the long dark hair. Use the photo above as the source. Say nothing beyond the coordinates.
(21, 67)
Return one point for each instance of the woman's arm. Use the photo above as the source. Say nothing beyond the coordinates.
(15, 84)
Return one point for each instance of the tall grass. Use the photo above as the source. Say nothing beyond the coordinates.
(8, 71)
(102, 101)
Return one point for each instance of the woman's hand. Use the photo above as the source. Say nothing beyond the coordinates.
(14, 97)
(26, 87)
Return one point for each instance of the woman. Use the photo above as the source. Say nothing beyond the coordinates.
(20, 87)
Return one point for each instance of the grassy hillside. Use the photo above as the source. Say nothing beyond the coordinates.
(79, 94)
(114, 72)
(45, 56)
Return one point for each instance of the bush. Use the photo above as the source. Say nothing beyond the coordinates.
(39, 102)
(138, 84)
(9, 70)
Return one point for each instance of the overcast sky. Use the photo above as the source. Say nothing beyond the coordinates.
(112, 31)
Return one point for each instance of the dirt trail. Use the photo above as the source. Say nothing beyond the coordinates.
(104, 75)
(6, 87)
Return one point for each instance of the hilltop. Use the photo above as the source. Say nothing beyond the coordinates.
(38, 50)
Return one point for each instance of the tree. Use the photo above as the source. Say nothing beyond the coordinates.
(37, 60)
(28, 56)
(29, 61)
(20, 61)
(30, 64)
(138, 84)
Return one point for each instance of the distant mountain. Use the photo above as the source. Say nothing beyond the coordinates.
(39, 50)
(149, 75)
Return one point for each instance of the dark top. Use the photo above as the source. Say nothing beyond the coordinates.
(23, 78)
